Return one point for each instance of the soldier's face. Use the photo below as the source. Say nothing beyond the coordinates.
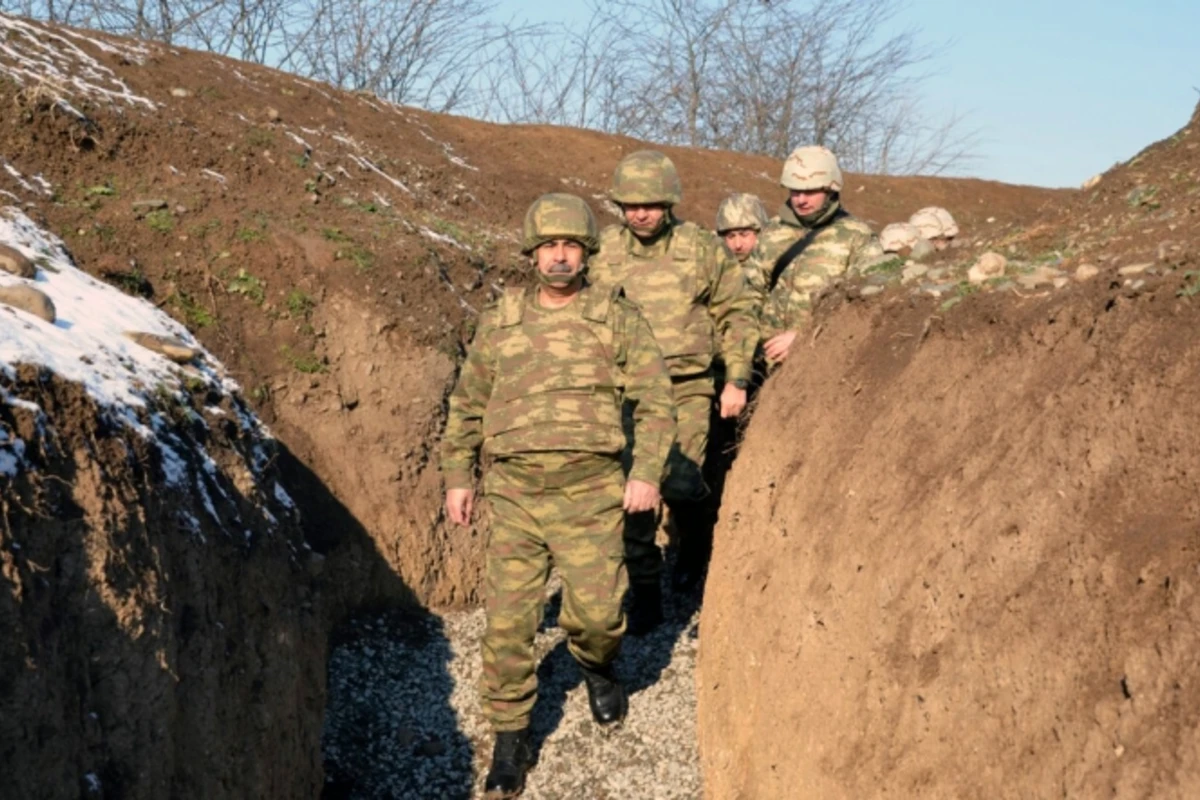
(644, 220)
(559, 261)
(807, 201)
(740, 241)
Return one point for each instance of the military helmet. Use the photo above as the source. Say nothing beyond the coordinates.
(899, 235)
(560, 216)
(646, 177)
(741, 211)
(934, 222)
(811, 168)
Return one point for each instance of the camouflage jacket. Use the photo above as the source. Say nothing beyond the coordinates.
(842, 245)
(691, 291)
(541, 380)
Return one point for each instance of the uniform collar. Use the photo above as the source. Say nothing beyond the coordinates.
(787, 216)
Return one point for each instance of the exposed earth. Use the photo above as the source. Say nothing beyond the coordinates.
(1022, 440)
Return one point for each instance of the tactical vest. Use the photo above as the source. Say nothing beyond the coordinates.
(558, 385)
(672, 292)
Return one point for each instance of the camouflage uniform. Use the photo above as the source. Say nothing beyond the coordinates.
(840, 245)
(541, 393)
(696, 299)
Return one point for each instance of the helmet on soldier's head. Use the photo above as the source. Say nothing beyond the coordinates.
(646, 177)
(898, 236)
(811, 168)
(934, 223)
(560, 216)
(949, 226)
(739, 211)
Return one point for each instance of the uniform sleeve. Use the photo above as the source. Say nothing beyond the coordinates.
(734, 306)
(648, 388)
(464, 422)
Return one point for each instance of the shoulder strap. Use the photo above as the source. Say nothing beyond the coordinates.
(597, 303)
(611, 246)
(512, 306)
(793, 252)
(683, 241)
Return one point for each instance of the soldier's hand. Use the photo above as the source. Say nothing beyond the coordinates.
(733, 401)
(459, 503)
(776, 348)
(640, 496)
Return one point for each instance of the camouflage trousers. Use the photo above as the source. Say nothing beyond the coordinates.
(683, 488)
(563, 508)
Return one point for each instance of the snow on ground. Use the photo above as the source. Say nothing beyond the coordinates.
(48, 60)
(87, 345)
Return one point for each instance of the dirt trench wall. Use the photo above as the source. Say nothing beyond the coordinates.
(960, 558)
(141, 657)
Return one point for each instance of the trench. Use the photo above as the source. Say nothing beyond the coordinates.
(403, 718)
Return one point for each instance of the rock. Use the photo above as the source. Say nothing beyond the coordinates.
(179, 91)
(1042, 276)
(1061, 281)
(1086, 272)
(273, 114)
(1134, 269)
(168, 346)
(868, 291)
(990, 265)
(16, 262)
(29, 300)
(922, 249)
(1091, 182)
(913, 271)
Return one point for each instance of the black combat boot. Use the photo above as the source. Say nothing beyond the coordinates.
(512, 757)
(694, 530)
(606, 695)
(645, 610)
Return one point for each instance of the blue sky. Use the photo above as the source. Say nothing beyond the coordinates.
(1059, 90)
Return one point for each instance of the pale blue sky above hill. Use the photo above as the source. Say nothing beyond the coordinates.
(1058, 89)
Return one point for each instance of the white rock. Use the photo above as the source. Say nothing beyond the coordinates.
(1135, 269)
(990, 265)
(1086, 272)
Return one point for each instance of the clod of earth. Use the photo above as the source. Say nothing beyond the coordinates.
(16, 262)
(168, 346)
(29, 300)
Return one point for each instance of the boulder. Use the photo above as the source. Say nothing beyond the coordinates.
(990, 265)
(29, 300)
(16, 262)
(169, 346)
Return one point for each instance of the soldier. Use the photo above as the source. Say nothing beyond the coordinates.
(935, 224)
(740, 217)
(813, 241)
(696, 300)
(541, 393)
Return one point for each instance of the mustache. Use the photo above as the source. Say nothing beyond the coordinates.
(561, 268)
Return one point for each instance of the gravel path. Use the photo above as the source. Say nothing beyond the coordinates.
(404, 721)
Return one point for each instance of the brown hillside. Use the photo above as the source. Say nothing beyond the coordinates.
(332, 249)
(960, 547)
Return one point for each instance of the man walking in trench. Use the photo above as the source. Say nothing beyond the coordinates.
(694, 295)
(541, 395)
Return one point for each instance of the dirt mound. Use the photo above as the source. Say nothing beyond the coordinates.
(960, 556)
(334, 249)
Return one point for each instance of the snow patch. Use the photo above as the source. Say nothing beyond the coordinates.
(47, 61)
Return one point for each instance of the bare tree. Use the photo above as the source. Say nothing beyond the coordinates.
(743, 75)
